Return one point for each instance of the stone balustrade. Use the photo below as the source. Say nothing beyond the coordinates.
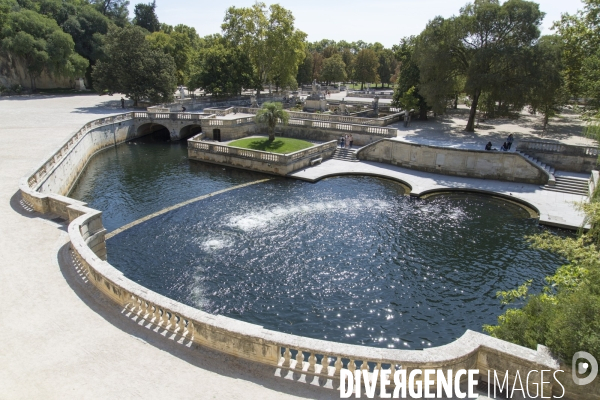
(561, 156)
(302, 355)
(525, 145)
(326, 117)
(35, 179)
(279, 164)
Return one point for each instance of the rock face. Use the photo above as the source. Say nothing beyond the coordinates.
(13, 72)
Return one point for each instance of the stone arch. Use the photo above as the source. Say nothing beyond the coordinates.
(189, 131)
(158, 131)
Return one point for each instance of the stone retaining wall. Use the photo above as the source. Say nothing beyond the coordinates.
(311, 357)
(504, 166)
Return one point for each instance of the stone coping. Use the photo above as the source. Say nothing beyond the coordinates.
(249, 341)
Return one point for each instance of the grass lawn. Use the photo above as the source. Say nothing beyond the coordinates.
(279, 145)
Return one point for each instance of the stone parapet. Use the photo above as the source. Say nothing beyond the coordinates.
(498, 165)
(561, 156)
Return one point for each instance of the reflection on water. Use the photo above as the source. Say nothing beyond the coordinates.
(349, 259)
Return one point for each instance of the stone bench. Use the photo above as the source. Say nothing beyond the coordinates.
(316, 160)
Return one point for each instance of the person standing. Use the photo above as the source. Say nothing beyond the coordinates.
(122, 103)
(509, 141)
(351, 140)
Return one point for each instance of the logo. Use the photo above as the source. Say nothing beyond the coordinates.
(579, 368)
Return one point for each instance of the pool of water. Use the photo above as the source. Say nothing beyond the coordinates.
(349, 259)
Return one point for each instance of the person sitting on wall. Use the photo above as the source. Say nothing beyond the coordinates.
(183, 109)
(488, 146)
(504, 147)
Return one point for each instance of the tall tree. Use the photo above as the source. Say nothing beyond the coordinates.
(317, 65)
(178, 46)
(408, 79)
(275, 47)
(145, 16)
(387, 66)
(305, 69)
(132, 67)
(334, 69)
(365, 66)
(221, 70)
(478, 45)
(548, 92)
(348, 59)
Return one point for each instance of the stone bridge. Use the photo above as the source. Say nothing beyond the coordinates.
(179, 125)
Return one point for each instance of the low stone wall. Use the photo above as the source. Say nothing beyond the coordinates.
(278, 164)
(560, 156)
(301, 355)
(504, 166)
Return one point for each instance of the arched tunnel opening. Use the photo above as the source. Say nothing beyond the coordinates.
(154, 132)
(189, 131)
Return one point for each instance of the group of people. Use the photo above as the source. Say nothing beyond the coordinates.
(345, 141)
(505, 147)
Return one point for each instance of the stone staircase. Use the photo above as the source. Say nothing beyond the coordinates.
(569, 184)
(345, 155)
(538, 163)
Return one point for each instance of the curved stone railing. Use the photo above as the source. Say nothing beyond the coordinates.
(311, 357)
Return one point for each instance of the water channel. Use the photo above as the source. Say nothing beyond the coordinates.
(349, 259)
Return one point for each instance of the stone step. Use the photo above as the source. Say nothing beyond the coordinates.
(345, 155)
(572, 184)
(565, 190)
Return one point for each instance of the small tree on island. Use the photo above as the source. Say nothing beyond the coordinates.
(270, 114)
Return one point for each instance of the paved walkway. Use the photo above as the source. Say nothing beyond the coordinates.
(60, 341)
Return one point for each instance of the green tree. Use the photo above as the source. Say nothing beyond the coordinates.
(565, 316)
(274, 46)
(305, 69)
(270, 114)
(485, 45)
(41, 45)
(317, 65)
(178, 46)
(365, 67)
(132, 67)
(408, 80)
(348, 59)
(547, 90)
(145, 16)
(387, 66)
(221, 70)
(334, 69)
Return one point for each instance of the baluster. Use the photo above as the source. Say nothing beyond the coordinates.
(181, 324)
(338, 366)
(351, 366)
(312, 361)
(287, 358)
(325, 365)
(299, 360)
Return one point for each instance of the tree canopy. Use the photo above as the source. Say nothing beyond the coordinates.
(268, 36)
(270, 114)
(131, 66)
(41, 45)
(488, 45)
